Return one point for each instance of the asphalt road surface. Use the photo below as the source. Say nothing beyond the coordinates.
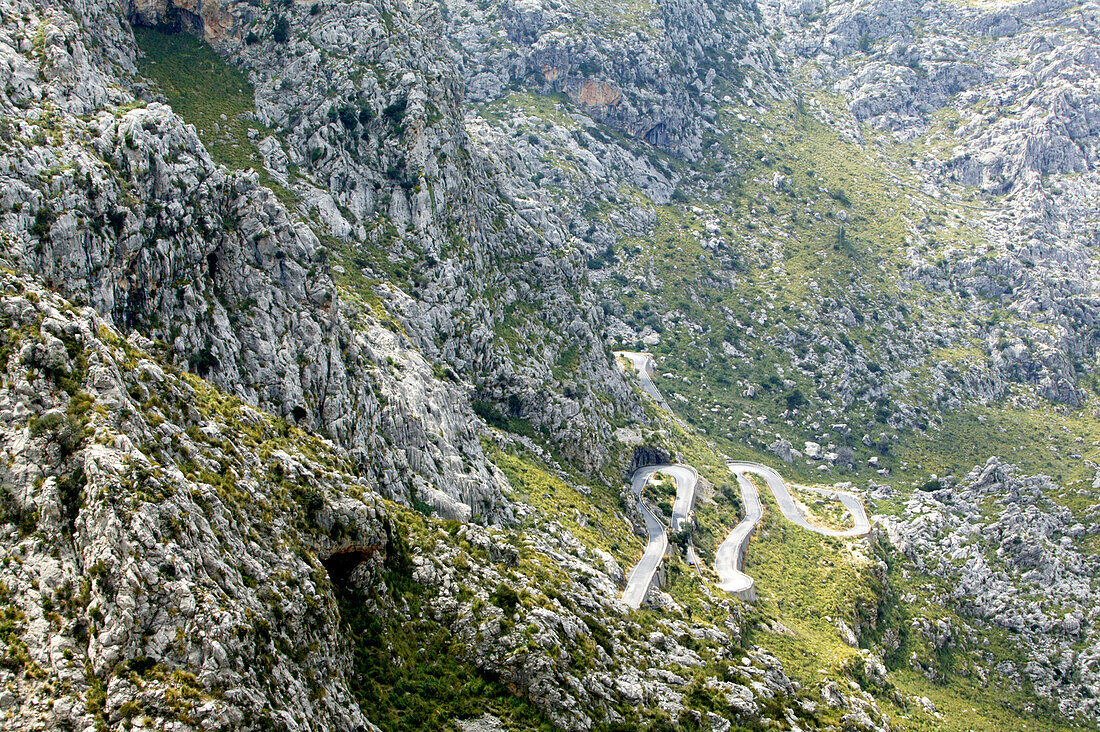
(730, 556)
(794, 514)
(643, 363)
(641, 577)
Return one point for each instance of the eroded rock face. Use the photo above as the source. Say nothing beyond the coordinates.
(140, 223)
(1016, 90)
(1008, 554)
(173, 552)
(407, 176)
(209, 20)
(152, 558)
(647, 455)
(184, 539)
(242, 295)
(652, 72)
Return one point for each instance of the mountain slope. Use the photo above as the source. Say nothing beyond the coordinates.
(309, 400)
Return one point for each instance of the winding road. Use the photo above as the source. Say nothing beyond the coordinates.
(790, 508)
(730, 555)
(641, 577)
(644, 363)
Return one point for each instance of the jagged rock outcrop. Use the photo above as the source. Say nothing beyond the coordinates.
(518, 641)
(658, 83)
(1010, 92)
(208, 19)
(129, 213)
(162, 543)
(213, 376)
(1008, 556)
(174, 554)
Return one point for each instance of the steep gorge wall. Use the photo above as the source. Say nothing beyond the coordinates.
(126, 211)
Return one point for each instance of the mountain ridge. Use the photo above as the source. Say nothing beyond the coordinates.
(310, 400)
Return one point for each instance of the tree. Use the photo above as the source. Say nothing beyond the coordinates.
(281, 32)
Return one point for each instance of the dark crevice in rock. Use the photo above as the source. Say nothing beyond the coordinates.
(166, 18)
(341, 564)
(647, 455)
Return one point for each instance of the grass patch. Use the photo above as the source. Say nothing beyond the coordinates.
(210, 94)
(596, 520)
(409, 673)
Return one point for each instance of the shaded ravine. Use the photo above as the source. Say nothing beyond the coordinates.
(730, 556)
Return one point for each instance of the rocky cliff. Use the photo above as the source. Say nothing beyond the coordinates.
(308, 406)
(176, 557)
(163, 541)
(127, 212)
(1018, 570)
(1002, 94)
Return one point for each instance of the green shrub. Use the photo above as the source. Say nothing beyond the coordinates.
(280, 33)
(506, 598)
(70, 489)
(395, 113)
(795, 399)
(43, 220)
(348, 117)
(202, 362)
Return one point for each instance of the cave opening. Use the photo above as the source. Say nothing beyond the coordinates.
(173, 19)
(341, 564)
